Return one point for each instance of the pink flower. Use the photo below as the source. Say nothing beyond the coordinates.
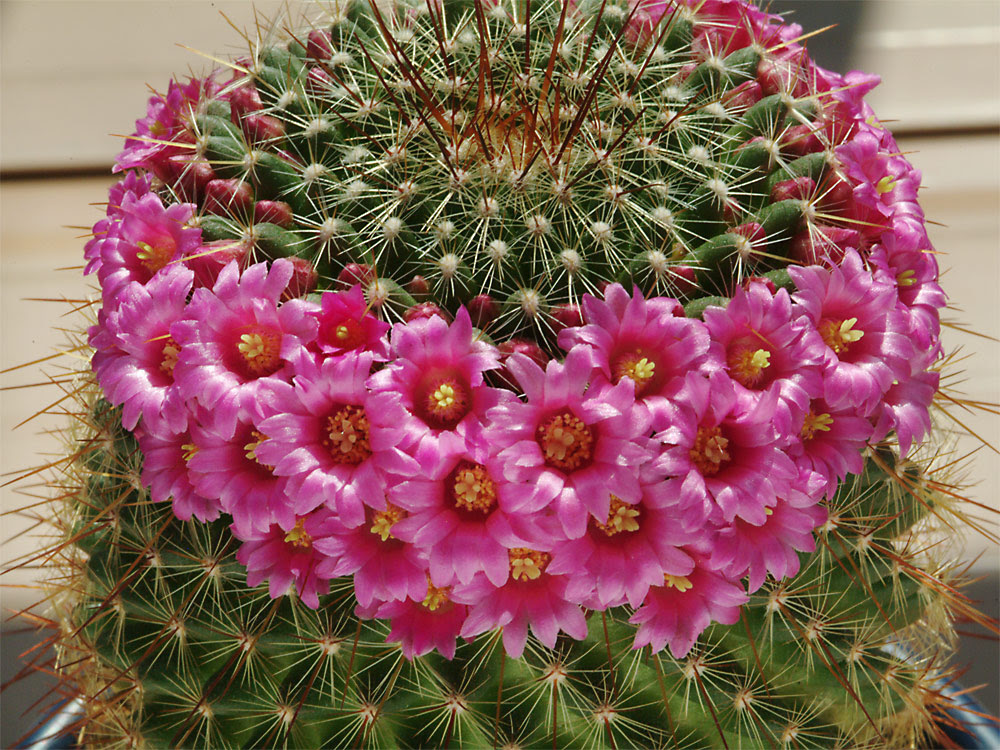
(724, 453)
(906, 410)
(422, 626)
(135, 357)
(159, 133)
(287, 555)
(531, 597)
(319, 437)
(643, 340)
(676, 613)
(346, 325)
(744, 549)
(619, 559)
(134, 184)
(430, 399)
(166, 472)
(236, 335)
(569, 446)
(766, 350)
(149, 237)
(384, 567)
(829, 443)
(226, 467)
(865, 334)
(458, 514)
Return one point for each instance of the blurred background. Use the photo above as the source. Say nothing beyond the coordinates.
(74, 72)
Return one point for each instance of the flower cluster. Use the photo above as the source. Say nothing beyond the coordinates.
(664, 463)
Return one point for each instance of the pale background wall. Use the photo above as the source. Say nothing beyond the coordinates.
(73, 71)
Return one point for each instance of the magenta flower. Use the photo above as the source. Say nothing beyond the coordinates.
(459, 515)
(319, 437)
(287, 555)
(226, 467)
(149, 237)
(830, 442)
(569, 446)
(422, 626)
(384, 567)
(865, 333)
(722, 452)
(166, 472)
(531, 597)
(347, 325)
(430, 400)
(134, 184)
(906, 410)
(643, 340)
(766, 350)
(914, 273)
(634, 548)
(744, 549)
(676, 613)
(161, 133)
(236, 336)
(135, 353)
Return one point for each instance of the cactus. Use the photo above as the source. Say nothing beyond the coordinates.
(426, 326)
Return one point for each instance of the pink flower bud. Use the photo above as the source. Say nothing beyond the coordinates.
(517, 346)
(820, 244)
(356, 273)
(189, 177)
(304, 278)
(799, 188)
(319, 46)
(261, 128)
(208, 260)
(273, 212)
(243, 101)
(568, 315)
(800, 140)
(743, 96)
(483, 310)
(228, 197)
(424, 310)
(418, 287)
(319, 81)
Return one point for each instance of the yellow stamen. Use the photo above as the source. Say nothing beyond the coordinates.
(436, 596)
(621, 517)
(746, 365)
(681, 583)
(251, 449)
(188, 451)
(154, 257)
(171, 350)
(261, 352)
(298, 536)
(566, 442)
(346, 435)
(343, 333)
(840, 334)
(444, 396)
(907, 278)
(526, 563)
(473, 488)
(383, 521)
(710, 452)
(885, 185)
(815, 422)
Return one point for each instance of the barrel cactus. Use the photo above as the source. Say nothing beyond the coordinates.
(505, 375)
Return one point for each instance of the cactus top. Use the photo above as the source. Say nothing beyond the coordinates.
(511, 310)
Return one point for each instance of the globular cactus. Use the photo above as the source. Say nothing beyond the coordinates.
(442, 322)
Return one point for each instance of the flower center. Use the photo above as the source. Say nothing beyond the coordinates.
(840, 334)
(444, 403)
(155, 257)
(346, 435)
(436, 596)
(814, 423)
(710, 452)
(384, 520)
(622, 517)
(260, 352)
(251, 449)
(527, 564)
(188, 451)
(681, 583)
(347, 334)
(885, 185)
(298, 536)
(637, 366)
(472, 488)
(747, 365)
(168, 356)
(566, 442)
(907, 278)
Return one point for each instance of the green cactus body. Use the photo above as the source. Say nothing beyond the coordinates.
(512, 159)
